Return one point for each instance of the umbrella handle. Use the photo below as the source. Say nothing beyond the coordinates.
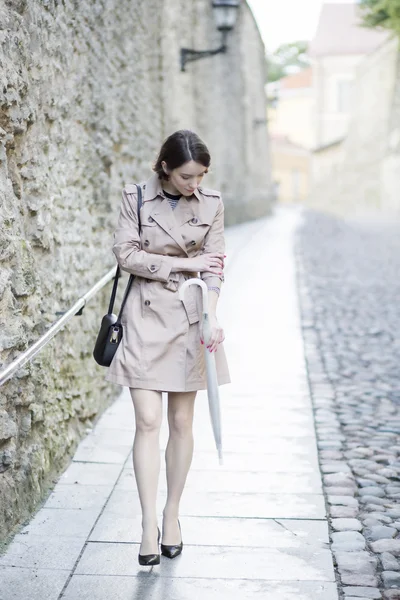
(202, 284)
(204, 288)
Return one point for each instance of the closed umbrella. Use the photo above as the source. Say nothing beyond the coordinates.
(211, 370)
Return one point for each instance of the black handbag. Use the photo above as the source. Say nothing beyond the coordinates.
(111, 330)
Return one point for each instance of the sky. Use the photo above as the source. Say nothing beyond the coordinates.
(282, 21)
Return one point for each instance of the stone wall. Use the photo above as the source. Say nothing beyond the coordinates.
(88, 92)
(364, 175)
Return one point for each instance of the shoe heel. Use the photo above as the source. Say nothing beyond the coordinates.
(150, 560)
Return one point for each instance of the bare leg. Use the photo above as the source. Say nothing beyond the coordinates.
(146, 461)
(178, 456)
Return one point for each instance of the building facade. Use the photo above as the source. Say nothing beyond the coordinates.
(337, 50)
(290, 119)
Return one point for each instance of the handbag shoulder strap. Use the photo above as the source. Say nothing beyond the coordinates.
(118, 271)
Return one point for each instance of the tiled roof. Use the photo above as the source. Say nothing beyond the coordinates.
(302, 79)
(340, 32)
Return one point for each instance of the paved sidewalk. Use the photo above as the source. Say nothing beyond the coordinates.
(254, 528)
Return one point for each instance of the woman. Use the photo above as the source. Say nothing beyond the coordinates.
(181, 234)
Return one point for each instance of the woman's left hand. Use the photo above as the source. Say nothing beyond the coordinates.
(217, 335)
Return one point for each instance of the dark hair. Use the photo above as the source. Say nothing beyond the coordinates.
(178, 149)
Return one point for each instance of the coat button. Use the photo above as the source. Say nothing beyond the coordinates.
(147, 302)
(195, 220)
(150, 219)
(192, 243)
(153, 268)
(146, 243)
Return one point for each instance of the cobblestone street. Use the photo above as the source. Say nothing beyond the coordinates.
(348, 276)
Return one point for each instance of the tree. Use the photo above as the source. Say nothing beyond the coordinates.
(381, 13)
(288, 58)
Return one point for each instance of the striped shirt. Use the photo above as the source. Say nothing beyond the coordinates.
(172, 199)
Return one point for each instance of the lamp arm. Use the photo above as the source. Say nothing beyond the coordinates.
(189, 55)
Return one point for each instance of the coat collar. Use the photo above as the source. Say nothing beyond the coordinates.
(154, 188)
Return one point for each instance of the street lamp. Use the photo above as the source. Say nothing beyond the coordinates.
(225, 14)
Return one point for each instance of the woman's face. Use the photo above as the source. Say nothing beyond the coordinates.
(186, 178)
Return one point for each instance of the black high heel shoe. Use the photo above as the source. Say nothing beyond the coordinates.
(172, 551)
(150, 560)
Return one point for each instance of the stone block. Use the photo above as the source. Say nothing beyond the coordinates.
(343, 511)
(372, 491)
(378, 532)
(389, 562)
(391, 595)
(346, 525)
(356, 568)
(356, 598)
(349, 541)
(362, 592)
(340, 479)
(372, 500)
(335, 467)
(392, 546)
(340, 491)
(342, 500)
(391, 579)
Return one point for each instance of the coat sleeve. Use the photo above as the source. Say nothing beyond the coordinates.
(127, 245)
(215, 242)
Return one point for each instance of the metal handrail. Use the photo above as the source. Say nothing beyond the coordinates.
(9, 370)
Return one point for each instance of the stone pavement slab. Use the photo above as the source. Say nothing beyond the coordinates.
(228, 504)
(268, 463)
(240, 532)
(153, 587)
(216, 562)
(31, 584)
(60, 523)
(255, 527)
(42, 552)
(231, 481)
(81, 497)
(86, 473)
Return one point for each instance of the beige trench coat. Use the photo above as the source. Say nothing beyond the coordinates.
(160, 348)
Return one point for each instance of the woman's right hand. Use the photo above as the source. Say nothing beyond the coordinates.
(204, 263)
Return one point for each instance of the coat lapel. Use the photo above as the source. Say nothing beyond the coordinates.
(185, 210)
(163, 215)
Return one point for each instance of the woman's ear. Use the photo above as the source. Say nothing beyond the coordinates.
(165, 167)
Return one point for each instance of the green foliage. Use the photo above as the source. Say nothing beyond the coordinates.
(381, 13)
(288, 58)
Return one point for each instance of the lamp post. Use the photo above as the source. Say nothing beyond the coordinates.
(225, 14)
